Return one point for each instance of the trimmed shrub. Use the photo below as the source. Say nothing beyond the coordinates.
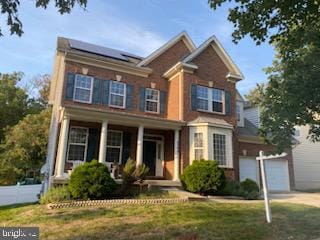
(202, 177)
(230, 188)
(56, 195)
(91, 181)
(249, 189)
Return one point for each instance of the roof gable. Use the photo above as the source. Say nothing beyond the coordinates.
(182, 36)
(234, 73)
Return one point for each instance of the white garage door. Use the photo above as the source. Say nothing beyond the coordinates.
(248, 169)
(277, 175)
(276, 171)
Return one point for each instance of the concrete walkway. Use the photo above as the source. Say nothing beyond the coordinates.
(311, 199)
(184, 194)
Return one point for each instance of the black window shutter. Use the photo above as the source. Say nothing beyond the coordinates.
(129, 97)
(105, 91)
(228, 102)
(96, 94)
(126, 141)
(70, 85)
(163, 101)
(194, 99)
(93, 139)
(142, 98)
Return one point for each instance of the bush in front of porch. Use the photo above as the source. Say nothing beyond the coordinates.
(203, 176)
(91, 180)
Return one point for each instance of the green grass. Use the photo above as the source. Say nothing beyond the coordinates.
(156, 193)
(193, 220)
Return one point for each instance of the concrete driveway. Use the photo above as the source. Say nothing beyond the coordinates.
(311, 199)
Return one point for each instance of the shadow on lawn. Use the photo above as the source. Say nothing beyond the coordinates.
(193, 221)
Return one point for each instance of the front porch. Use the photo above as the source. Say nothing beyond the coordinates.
(112, 139)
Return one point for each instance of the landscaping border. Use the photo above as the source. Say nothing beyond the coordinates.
(117, 202)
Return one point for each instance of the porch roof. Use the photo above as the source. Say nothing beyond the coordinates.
(120, 118)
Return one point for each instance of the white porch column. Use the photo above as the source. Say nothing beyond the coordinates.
(139, 157)
(103, 142)
(176, 156)
(62, 146)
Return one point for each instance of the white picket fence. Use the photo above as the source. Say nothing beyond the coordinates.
(19, 194)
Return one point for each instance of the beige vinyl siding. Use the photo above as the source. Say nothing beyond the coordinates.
(306, 160)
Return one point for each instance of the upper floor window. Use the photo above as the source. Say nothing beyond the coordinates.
(83, 88)
(210, 99)
(78, 141)
(117, 94)
(238, 113)
(217, 100)
(203, 98)
(152, 100)
(219, 149)
(198, 146)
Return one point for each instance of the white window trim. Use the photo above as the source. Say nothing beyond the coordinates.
(78, 144)
(151, 100)
(120, 147)
(75, 87)
(238, 112)
(124, 95)
(223, 101)
(225, 150)
(210, 100)
(198, 148)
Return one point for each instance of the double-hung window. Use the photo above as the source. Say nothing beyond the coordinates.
(78, 141)
(217, 100)
(238, 113)
(203, 98)
(114, 146)
(117, 94)
(198, 146)
(152, 100)
(210, 99)
(219, 149)
(83, 88)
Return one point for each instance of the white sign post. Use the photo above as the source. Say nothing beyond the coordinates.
(261, 158)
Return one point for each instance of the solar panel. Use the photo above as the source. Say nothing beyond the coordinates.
(103, 51)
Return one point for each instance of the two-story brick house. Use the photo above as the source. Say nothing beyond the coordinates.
(165, 110)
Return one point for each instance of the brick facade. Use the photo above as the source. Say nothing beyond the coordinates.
(211, 72)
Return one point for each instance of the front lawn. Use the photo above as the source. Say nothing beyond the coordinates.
(193, 220)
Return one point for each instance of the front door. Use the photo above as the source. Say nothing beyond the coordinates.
(150, 155)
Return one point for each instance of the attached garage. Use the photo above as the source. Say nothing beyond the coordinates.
(249, 169)
(276, 172)
(277, 175)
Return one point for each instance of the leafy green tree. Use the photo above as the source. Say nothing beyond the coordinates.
(38, 89)
(269, 19)
(13, 101)
(292, 95)
(10, 8)
(255, 96)
(24, 149)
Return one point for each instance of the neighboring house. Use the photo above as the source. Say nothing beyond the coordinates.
(165, 110)
(279, 172)
(306, 159)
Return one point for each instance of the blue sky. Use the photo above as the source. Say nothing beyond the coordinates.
(135, 26)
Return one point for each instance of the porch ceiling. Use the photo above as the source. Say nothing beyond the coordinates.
(120, 118)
